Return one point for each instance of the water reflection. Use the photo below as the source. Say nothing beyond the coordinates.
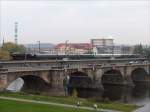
(141, 91)
(91, 93)
(117, 93)
(138, 94)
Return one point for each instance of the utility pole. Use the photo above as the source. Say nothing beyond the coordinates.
(66, 47)
(3, 42)
(16, 33)
(39, 43)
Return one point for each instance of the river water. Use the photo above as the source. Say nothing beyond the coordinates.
(139, 95)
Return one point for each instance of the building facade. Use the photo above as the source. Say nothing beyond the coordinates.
(116, 49)
(102, 42)
(73, 48)
(102, 46)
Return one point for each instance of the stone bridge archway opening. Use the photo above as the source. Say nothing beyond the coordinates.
(79, 82)
(31, 84)
(113, 77)
(139, 75)
(112, 81)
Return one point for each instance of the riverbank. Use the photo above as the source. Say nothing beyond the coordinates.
(25, 106)
(72, 101)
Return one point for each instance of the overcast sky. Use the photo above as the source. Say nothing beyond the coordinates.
(128, 22)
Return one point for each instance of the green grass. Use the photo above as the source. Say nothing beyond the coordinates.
(72, 101)
(15, 106)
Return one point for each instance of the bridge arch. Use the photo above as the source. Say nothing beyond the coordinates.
(112, 77)
(31, 84)
(139, 75)
(34, 83)
(78, 81)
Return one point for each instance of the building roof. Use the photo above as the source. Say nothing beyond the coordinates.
(85, 46)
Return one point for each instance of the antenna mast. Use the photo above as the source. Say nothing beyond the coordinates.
(16, 33)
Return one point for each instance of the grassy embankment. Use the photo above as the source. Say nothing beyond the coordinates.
(57, 99)
(15, 106)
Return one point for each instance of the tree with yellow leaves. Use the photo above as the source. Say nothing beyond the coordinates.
(9, 48)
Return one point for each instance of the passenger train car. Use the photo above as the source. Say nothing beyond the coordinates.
(39, 56)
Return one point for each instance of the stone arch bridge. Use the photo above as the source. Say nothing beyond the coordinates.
(55, 80)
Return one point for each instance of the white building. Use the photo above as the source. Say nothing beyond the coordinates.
(102, 42)
(116, 49)
(102, 46)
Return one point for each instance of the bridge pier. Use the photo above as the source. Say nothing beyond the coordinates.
(3, 81)
(95, 75)
(57, 78)
(97, 81)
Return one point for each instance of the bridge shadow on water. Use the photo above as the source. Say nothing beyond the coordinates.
(114, 89)
(139, 94)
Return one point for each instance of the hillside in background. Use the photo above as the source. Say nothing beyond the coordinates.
(42, 45)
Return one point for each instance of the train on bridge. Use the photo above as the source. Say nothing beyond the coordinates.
(39, 56)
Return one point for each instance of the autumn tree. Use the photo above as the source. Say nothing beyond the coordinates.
(9, 48)
(4, 55)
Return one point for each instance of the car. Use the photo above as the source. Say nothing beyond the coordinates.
(146, 62)
(131, 62)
